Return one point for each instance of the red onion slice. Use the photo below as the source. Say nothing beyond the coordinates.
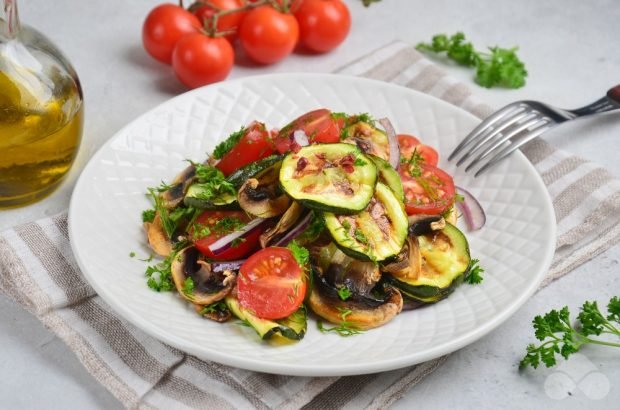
(224, 242)
(295, 230)
(471, 210)
(301, 138)
(393, 141)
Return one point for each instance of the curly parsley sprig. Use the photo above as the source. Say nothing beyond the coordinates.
(500, 67)
(558, 335)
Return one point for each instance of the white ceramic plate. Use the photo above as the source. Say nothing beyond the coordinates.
(515, 246)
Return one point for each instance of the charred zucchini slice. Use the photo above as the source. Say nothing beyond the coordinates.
(198, 196)
(389, 177)
(292, 327)
(329, 177)
(251, 170)
(377, 233)
(445, 261)
(369, 139)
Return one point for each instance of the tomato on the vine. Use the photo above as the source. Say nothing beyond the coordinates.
(268, 35)
(200, 60)
(163, 27)
(408, 144)
(318, 125)
(210, 226)
(254, 144)
(271, 283)
(228, 22)
(428, 189)
(323, 24)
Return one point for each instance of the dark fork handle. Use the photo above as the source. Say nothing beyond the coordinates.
(614, 94)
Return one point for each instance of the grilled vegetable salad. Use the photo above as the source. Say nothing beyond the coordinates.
(333, 214)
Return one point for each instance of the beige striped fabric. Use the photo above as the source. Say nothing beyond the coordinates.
(38, 271)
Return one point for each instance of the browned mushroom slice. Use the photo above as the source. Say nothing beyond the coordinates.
(369, 139)
(285, 223)
(218, 315)
(408, 263)
(173, 196)
(207, 286)
(158, 240)
(262, 200)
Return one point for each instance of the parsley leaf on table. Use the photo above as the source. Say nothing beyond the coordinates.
(500, 67)
(558, 336)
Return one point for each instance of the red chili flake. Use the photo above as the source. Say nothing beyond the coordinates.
(301, 164)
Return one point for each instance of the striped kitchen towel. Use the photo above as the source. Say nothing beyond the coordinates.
(38, 271)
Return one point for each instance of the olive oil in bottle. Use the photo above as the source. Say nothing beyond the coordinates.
(41, 112)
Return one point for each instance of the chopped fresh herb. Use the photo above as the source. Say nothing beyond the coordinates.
(314, 230)
(163, 187)
(557, 335)
(236, 242)
(339, 115)
(359, 235)
(228, 224)
(414, 162)
(344, 293)
(150, 258)
(501, 67)
(367, 3)
(168, 225)
(459, 198)
(346, 225)
(219, 306)
(188, 287)
(301, 254)
(474, 277)
(159, 276)
(225, 146)
(359, 162)
(200, 231)
(212, 182)
(345, 328)
(132, 254)
(148, 215)
(365, 117)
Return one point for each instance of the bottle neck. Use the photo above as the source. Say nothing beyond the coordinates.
(9, 24)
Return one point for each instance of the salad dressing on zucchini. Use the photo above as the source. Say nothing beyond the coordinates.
(322, 225)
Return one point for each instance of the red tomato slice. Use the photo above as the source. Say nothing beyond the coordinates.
(319, 126)
(409, 143)
(255, 144)
(212, 225)
(431, 193)
(271, 283)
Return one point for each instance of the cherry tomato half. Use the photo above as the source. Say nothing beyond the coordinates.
(267, 35)
(409, 143)
(208, 228)
(163, 27)
(199, 60)
(319, 126)
(255, 144)
(431, 192)
(323, 24)
(271, 283)
(227, 22)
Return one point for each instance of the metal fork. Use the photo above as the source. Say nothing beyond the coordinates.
(511, 127)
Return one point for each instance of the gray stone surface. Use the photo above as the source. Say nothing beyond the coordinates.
(570, 48)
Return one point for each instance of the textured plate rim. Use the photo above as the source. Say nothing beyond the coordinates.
(312, 370)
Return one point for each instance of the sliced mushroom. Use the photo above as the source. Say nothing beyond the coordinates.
(158, 240)
(408, 263)
(425, 224)
(209, 287)
(173, 196)
(216, 315)
(262, 199)
(286, 222)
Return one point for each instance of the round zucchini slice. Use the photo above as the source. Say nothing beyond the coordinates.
(329, 177)
(369, 139)
(377, 233)
(443, 265)
(389, 176)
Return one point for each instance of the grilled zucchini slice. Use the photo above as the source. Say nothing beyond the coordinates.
(389, 177)
(377, 233)
(329, 177)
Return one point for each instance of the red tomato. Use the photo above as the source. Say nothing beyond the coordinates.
(323, 24)
(227, 22)
(199, 60)
(271, 283)
(319, 126)
(206, 231)
(409, 143)
(267, 35)
(431, 193)
(163, 27)
(255, 144)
